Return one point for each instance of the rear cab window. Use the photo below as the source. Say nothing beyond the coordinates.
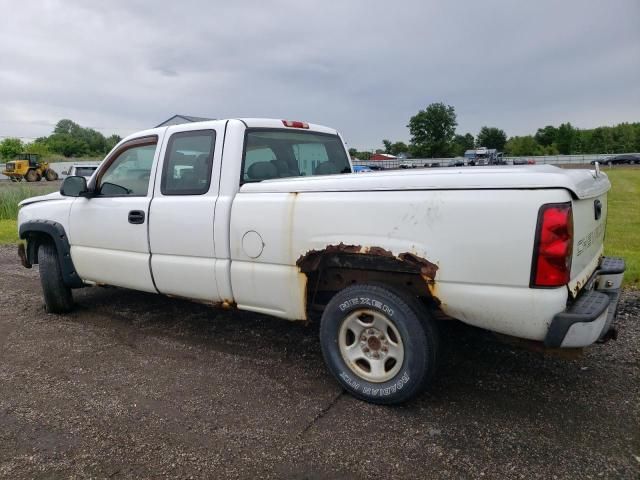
(277, 153)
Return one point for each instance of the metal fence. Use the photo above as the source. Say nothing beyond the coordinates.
(446, 162)
(60, 167)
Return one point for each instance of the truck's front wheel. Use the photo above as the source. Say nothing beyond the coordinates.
(379, 344)
(57, 296)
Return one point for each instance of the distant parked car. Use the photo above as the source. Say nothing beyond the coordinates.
(82, 170)
(625, 158)
(361, 169)
(520, 161)
(407, 165)
(376, 167)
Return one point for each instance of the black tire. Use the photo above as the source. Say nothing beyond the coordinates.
(418, 335)
(50, 175)
(57, 296)
(31, 176)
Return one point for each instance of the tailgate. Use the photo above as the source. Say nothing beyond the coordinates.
(589, 225)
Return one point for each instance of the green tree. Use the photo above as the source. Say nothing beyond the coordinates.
(67, 145)
(112, 141)
(72, 140)
(624, 138)
(66, 126)
(566, 139)
(67, 139)
(462, 143)
(491, 137)
(95, 141)
(636, 142)
(10, 147)
(39, 147)
(399, 147)
(523, 146)
(352, 151)
(395, 148)
(432, 131)
(546, 136)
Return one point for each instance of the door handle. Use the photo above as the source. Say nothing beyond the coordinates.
(136, 217)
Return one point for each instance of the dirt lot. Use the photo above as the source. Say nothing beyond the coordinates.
(137, 385)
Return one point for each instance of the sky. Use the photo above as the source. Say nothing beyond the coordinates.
(363, 67)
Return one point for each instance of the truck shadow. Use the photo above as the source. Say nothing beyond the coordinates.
(474, 363)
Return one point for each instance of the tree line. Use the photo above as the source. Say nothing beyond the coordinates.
(433, 135)
(67, 139)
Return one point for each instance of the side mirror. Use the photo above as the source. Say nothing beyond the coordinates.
(74, 186)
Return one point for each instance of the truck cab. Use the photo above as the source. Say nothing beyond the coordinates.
(483, 156)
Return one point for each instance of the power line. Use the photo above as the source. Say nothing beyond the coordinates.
(18, 136)
(46, 124)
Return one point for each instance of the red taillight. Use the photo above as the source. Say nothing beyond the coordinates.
(295, 124)
(554, 246)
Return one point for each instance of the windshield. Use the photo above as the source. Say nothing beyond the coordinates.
(284, 153)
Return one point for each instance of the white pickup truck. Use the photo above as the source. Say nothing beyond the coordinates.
(265, 215)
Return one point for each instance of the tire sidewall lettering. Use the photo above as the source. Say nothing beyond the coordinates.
(368, 302)
(376, 390)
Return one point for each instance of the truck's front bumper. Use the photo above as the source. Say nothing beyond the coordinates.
(591, 315)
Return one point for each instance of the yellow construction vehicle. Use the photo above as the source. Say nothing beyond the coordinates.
(30, 167)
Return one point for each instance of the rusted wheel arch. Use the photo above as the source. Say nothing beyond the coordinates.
(338, 266)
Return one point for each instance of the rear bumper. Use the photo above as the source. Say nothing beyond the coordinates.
(591, 316)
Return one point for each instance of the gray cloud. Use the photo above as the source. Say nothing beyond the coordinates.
(363, 67)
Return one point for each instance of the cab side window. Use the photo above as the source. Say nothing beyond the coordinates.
(129, 173)
(188, 163)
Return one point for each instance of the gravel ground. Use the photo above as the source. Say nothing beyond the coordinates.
(137, 385)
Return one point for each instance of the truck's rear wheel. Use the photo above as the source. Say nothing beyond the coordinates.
(381, 345)
(50, 175)
(57, 296)
(31, 176)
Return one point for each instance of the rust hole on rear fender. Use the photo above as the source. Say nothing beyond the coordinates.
(337, 266)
